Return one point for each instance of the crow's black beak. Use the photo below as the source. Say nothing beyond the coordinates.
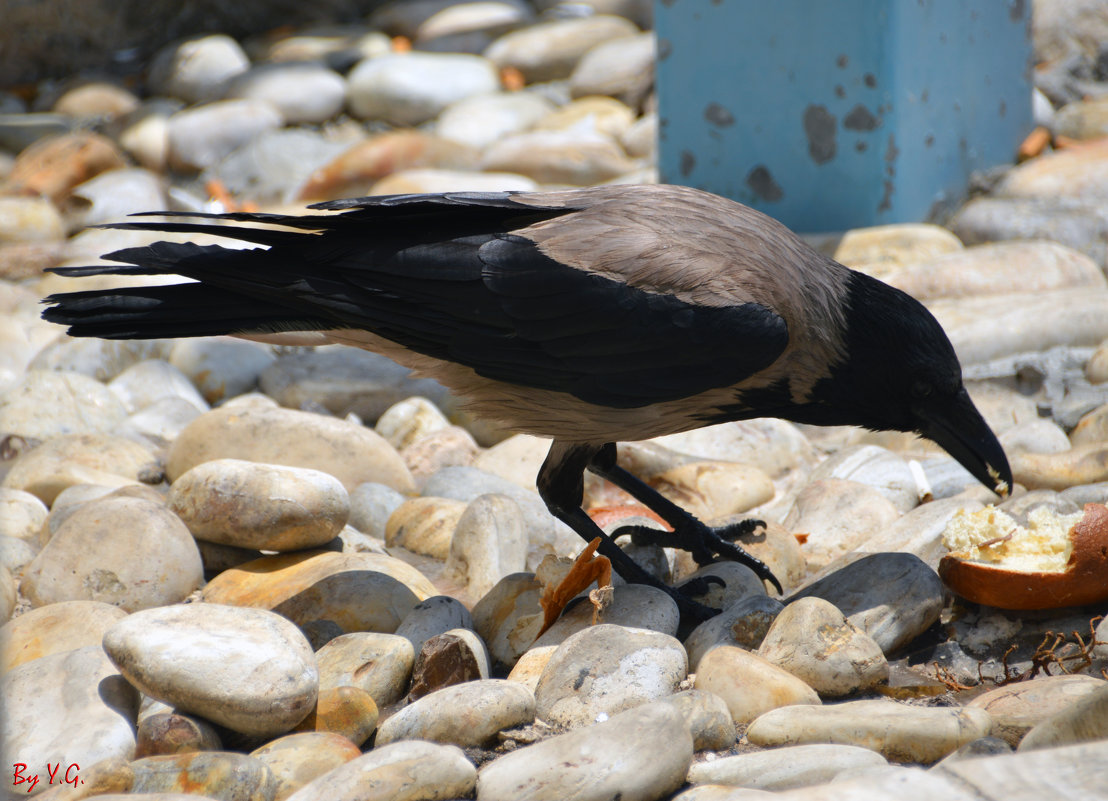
(961, 430)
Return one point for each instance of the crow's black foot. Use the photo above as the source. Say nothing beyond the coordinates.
(706, 544)
(699, 587)
(692, 612)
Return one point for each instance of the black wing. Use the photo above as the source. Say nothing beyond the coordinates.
(446, 277)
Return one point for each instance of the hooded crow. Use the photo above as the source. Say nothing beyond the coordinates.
(589, 316)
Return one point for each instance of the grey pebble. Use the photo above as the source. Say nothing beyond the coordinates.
(102, 359)
(201, 136)
(508, 617)
(489, 542)
(210, 773)
(198, 69)
(633, 605)
(545, 533)
(897, 731)
(550, 50)
(708, 719)
(749, 684)
(48, 404)
(744, 624)
(22, 515)
(304, 92)
(620, 756)
(605, 669)
(221, 367)
(875, 467)
(299, 758)
(410, 769)
(254, 430)
(1082, 721)
(412, 88)
(431, 617)
(409, 420)
(622, 68)
(892, 597)
(480, 120)
(838, 515)
(272, 166)
(468, 714)
(344, 380)
(161, 422)
(558, 157)
(728, 584)
(785, 768)
(370, 507)
(15, 554)
(162, 733)
(112, 195)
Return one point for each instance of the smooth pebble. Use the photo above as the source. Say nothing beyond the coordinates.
(251, 505)
(296, 759)
(404, 771)
(749, 684)
(605, 669)
(380, 664)
(71, 706)
(617, 757)
(359, 592)
(896, 731)
(468, 714)
(785, 768)
(892, 597)
(812, 639)
(129, 552)
(247, 669)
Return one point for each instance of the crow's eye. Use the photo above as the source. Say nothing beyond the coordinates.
(921, 390)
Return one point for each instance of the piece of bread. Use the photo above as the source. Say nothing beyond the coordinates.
(1057, 560)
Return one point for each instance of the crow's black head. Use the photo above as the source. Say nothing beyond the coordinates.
(901, 374)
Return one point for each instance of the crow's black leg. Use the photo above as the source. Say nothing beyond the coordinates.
(561, 485)
(705, 543)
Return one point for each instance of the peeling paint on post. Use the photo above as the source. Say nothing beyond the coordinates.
(834, 115)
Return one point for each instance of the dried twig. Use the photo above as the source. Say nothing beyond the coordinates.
(946, 676)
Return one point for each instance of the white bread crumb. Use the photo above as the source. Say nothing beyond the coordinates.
(992, 537)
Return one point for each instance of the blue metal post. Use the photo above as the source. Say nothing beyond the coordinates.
(831, 114)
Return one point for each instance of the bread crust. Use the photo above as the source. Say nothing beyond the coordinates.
(1084, 580)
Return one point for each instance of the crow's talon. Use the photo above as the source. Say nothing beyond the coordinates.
(701, 586)
(690, 609)
(742, 528)
(705, 544)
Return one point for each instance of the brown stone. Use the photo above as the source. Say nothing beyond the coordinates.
(444, 660)
(354, 172)
(169, 733)
(359, 592)
(53, 166)
(349, 711)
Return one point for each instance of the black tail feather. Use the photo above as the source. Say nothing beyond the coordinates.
(172, 310)
(312, 272)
